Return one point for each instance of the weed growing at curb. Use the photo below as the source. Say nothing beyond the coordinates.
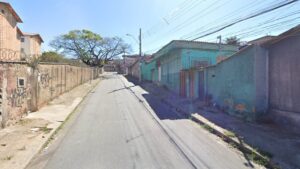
(7, 158)
(45, 130)
(208, 128)
(257, 156)
(257, 159)
(22, 148)
(229, 134)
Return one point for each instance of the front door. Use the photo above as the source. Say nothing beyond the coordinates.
(191, 84)
(183, 84)
(201, 85)
(152, 75)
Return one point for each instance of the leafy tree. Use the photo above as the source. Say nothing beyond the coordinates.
(51, 57)
(233, 41)
(90, 47)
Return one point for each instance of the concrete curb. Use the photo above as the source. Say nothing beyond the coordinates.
(50, 136)
(163, 127)
(218, 131)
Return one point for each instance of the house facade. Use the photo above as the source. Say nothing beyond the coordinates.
(31, 45)
(128, 60)
(261, 80)
(175, 65)
(10, 35)
(238, 84)
(284, 79)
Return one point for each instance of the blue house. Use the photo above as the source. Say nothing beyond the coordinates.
(176, 65)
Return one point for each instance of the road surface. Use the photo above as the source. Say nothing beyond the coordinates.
(115, 130)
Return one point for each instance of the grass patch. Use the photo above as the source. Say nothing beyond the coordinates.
(207, 127)
(46, 130)
(23, 122)
(258, 159)
(229, 134)
(264, 153)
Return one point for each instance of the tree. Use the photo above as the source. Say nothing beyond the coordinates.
(233, 41)
(90, 47)
(51, 57)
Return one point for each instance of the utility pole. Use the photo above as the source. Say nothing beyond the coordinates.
(140, 42)
(140, 53)
(220, 42)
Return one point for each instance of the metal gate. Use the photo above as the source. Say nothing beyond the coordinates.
(201, 85)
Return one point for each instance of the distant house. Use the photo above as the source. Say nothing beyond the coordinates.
(128, 60)
(134, 69)
(31, 44)
(10, 44)
(176, 64)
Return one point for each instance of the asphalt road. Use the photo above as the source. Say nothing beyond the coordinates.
(115, 130)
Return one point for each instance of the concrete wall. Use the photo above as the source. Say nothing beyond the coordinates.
(134, 70)
(149, 71)
(24, 88)
(14, 97)
(235, 84)
(284, 79)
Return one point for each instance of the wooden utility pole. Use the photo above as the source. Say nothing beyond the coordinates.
(140, 53)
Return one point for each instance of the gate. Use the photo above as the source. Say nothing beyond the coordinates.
(201, 85)
(183, 84)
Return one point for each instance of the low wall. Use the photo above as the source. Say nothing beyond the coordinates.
(24, 88)
(236, 84)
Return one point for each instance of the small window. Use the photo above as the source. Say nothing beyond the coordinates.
(22, 50)
(22, 39)
(2, 11)
(21, 82)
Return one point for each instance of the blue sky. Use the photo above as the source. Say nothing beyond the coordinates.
(161, 20)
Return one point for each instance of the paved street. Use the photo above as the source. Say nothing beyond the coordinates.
(116, 130)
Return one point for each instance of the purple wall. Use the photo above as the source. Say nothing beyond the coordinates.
(284, 75)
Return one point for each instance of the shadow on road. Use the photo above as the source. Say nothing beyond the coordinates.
(163, 111)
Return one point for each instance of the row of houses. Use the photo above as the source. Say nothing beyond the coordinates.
(257, 80)
(16, 45)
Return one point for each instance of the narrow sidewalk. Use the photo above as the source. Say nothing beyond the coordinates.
(281, 146)
(21, 142)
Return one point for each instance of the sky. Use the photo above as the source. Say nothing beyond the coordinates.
(161, 20)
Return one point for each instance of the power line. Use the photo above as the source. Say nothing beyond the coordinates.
(280, 5)
(264, 23)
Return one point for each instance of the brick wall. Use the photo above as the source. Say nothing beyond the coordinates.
(23, 88)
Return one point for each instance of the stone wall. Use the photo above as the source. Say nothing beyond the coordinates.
(24, 88)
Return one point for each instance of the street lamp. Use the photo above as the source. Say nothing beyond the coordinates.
(140, 49)
(134, 38)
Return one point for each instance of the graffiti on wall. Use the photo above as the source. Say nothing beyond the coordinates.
(17, 97)
(44, 80)
(9, 55)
